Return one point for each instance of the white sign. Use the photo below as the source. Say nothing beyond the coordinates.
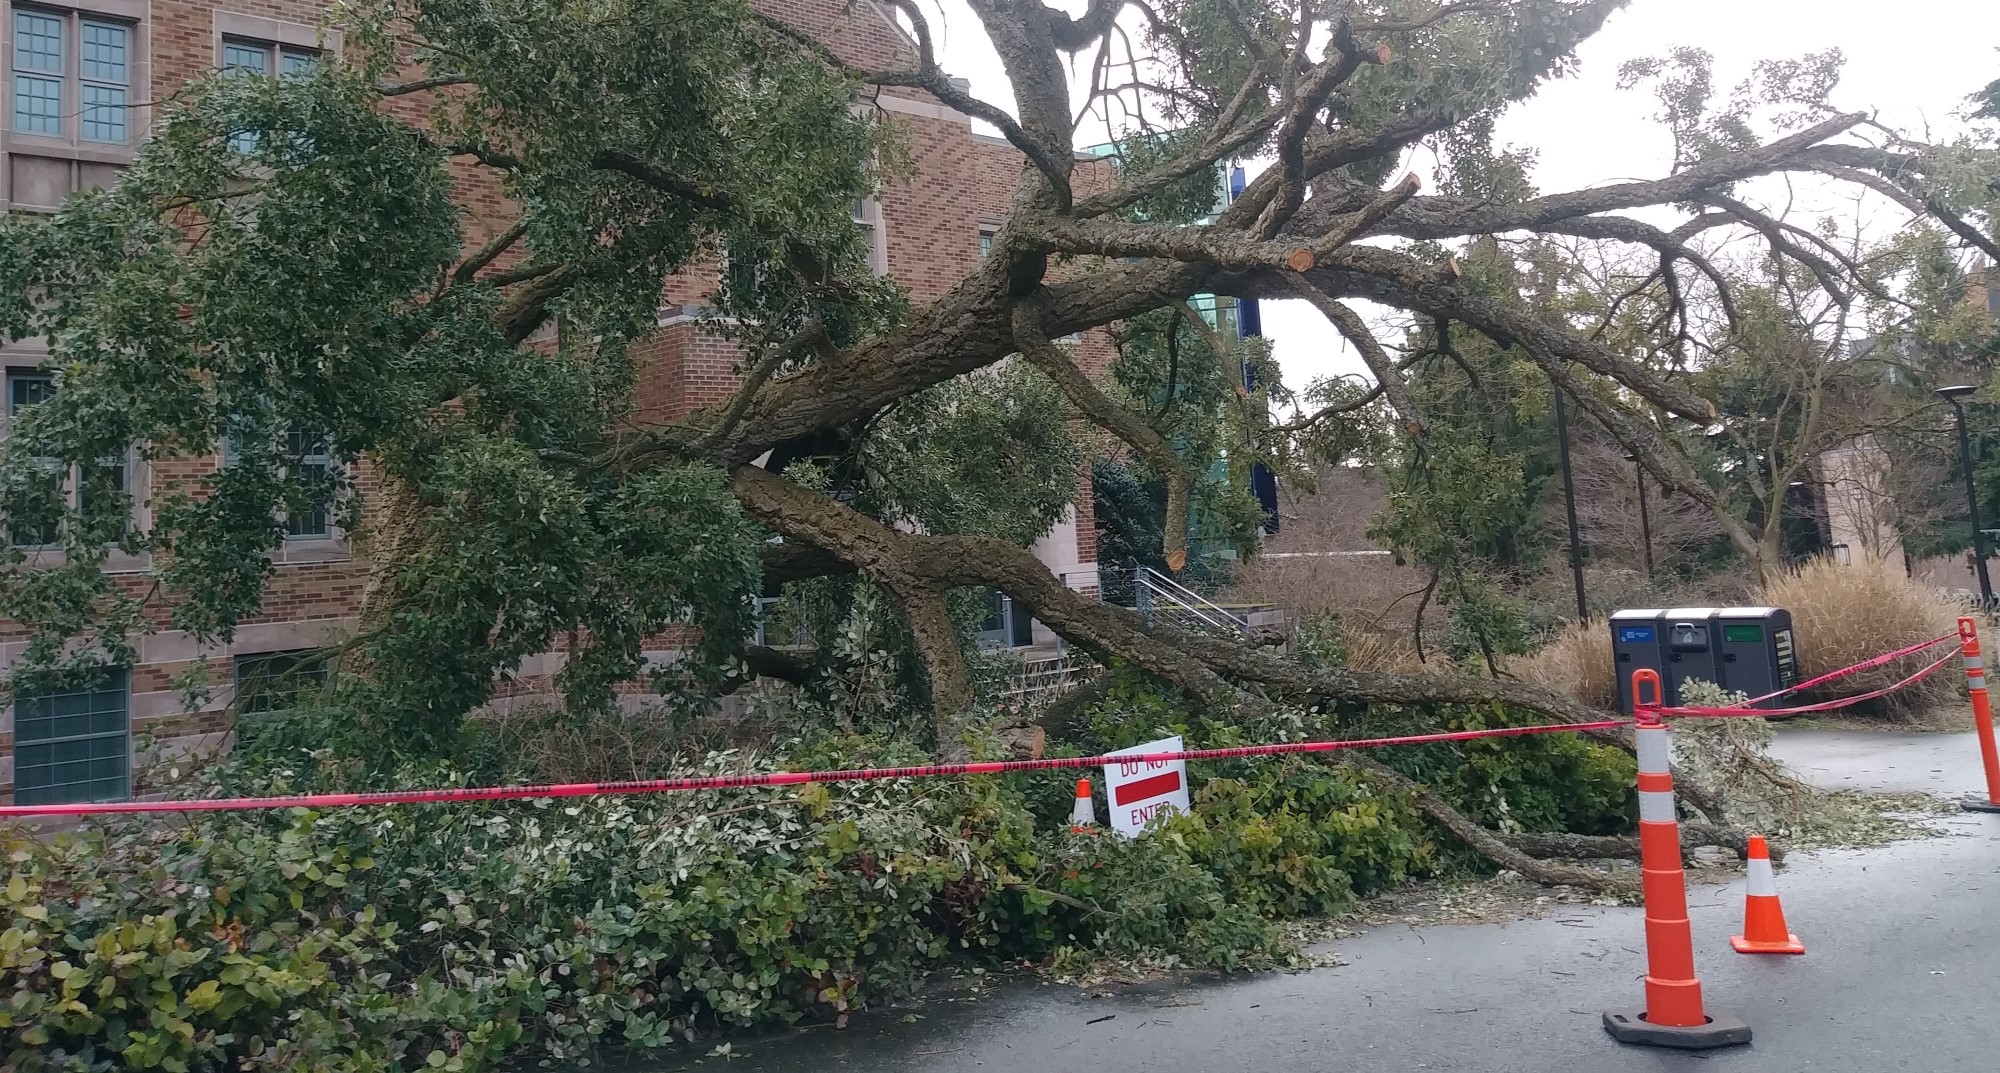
(1141, 789)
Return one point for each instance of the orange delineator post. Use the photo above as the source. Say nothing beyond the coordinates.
(1673, 1015)
(1982, 714)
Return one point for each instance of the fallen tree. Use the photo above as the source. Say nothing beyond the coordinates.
(319, 276)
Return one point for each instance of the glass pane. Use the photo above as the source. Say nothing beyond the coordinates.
(103, 113)
(37, 105)
(307, 445)
(316, 520)
(73, 745)
(27, 389)
(38, 42)
(104, 58)
(41, 525)
(99, 487)
(274, 682)
(245, 59)
(294, 62)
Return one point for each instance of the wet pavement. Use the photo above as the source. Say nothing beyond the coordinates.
(1942, 764)
(1902, 948)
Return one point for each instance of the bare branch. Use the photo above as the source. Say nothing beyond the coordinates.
(1108, 414)
(399, 89)
(1355, 331)
(812, 335)
(1776, 232)
(1670, 246)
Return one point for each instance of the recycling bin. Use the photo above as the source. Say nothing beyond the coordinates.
(1759, 653)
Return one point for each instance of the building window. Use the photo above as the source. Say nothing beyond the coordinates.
(986, 233)
(72, 76)
(312, 461)
(868, 217)
(89, 489)
(243, 58)
(309, 457)
(275, 681)
(74, 745)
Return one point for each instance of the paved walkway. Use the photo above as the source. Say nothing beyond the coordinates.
(1902, 944)
(1942, 764)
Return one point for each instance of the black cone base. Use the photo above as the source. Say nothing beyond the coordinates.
(1724, 1029)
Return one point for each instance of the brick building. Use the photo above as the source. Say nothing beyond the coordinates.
(72, 112)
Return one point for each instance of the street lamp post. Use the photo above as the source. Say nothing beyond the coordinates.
(1645, 523)
(1952, 395)
(1569, 504)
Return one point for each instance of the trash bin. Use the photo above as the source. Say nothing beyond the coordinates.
(1636, 642)
(1757, 649)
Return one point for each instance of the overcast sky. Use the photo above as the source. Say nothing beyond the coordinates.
(1915, 70)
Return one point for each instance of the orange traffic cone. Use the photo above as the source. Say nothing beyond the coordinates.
(1083, 815)
(1763, 918)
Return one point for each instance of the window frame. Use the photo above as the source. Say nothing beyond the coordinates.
(323, 546)
(71, 475)
(119, 685)
(868, 216)
(273, 52)
(70, 108)
(246, 664)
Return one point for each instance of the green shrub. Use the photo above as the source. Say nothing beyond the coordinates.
(1304, 838)
(358, 940)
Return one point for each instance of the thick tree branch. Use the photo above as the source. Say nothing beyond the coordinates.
(486, 254)
(1397, 280)
(661, 179)
(1904, 170)
(1489, 844)
(810, 336)
(1076, 34)
(1301, 114)
(1452, 217)
(1106, 413)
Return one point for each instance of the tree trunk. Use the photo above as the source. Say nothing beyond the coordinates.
(1596, 847)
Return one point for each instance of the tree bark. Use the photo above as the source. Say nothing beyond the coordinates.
(1490, 844)
(1595, 847)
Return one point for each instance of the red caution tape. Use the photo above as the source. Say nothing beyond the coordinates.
(773, 778)
(1873, 661)
(1741, 711)
(994, 767)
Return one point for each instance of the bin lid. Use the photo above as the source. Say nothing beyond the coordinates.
(1689, 613)
(1750, 612)
(1647, 613)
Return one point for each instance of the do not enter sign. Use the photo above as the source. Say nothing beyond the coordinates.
(1142, 789)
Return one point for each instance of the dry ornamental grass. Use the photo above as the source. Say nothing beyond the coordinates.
(1843, 614)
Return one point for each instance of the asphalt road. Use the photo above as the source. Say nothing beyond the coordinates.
(1903, 946)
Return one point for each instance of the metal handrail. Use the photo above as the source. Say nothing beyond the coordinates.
(1185, 592)
(1145, 576)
